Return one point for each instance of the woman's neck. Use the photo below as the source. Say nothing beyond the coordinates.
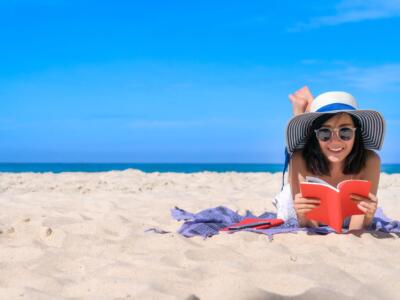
(336, 169)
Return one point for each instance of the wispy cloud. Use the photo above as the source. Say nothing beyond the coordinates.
(393, 122)
(154, 124)
(310, 61)
(376, 78)
(164, 123)
(210, 123)
(351, 11)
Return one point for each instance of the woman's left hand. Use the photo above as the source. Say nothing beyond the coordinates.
(367, 205)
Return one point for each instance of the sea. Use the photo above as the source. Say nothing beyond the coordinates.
(155, 167)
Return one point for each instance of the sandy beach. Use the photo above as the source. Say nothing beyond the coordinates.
(82, 236)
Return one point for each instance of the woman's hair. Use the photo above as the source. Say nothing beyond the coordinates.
(318, 164)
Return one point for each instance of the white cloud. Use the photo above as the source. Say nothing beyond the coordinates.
(163, 123)
(351, 11)
(376, 78)
(310, 61)
(211, 123)
(151, 124)
(393, 122)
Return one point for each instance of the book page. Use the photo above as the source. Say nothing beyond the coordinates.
(316, 180)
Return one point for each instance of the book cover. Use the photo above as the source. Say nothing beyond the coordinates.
(254, 223)
(336, 203)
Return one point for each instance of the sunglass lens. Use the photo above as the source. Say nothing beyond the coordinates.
(346, 134)
(324, 134)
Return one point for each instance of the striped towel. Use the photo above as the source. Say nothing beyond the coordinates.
(208, 222)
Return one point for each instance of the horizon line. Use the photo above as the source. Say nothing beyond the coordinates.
(166, 163)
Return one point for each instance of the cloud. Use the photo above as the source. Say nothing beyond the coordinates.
(351, 11)
(164, 123)
(393, 122)
(376, 78)
(211, 123)
(153, 124)
(310, 61)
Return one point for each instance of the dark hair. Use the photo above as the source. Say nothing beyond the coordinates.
(318, 164)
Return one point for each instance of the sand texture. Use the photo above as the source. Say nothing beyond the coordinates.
(81, 236)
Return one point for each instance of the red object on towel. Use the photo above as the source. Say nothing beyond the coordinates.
(253, 223)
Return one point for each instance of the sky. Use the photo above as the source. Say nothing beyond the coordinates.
(185, 81)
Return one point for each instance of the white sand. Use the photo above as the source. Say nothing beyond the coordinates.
(81, 236)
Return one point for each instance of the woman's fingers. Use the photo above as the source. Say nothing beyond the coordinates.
(311, 206)
(301, 200)
(304, 205)
(304, 210)
(363, 209)
(371, 197)
(367, 205)
(368, 211)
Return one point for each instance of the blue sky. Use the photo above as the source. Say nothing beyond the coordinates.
(185, 81)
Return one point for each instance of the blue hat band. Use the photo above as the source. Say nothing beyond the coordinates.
(335, 106)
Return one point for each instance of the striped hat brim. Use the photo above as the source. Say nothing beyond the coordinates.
(371, 122)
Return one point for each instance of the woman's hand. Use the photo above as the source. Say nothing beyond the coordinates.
(301, 100)
(304, 205)
(367, 205)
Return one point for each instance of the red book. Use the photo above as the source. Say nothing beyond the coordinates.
(253, 223)
(336, 203)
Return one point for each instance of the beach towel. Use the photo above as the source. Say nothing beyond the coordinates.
(208, 222)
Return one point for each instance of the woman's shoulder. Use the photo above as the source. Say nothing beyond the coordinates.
(372, 165)
(373, 159)
(298, 161)
(298, 156)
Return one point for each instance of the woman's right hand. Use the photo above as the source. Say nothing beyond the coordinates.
(304, 205)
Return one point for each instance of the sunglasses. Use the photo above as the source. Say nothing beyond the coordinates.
(324, 134)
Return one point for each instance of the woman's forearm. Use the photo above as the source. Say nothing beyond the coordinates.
(360, 222)
(367, 221)
(304, 222)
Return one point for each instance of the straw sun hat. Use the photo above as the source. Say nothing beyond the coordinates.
(372, 122)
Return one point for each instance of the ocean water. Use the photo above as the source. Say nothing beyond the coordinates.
(145, 167)
(153, 167)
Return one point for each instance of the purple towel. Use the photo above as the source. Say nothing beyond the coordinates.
(384, 224)
(208, 222)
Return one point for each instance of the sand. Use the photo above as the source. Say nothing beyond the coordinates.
(81, 236)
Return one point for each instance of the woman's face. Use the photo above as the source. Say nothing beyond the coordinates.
(336, 149)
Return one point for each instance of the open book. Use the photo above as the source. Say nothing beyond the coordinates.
(336, 203)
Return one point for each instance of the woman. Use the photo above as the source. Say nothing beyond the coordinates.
(332, 141)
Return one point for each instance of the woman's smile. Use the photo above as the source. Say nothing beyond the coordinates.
(336, 149)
